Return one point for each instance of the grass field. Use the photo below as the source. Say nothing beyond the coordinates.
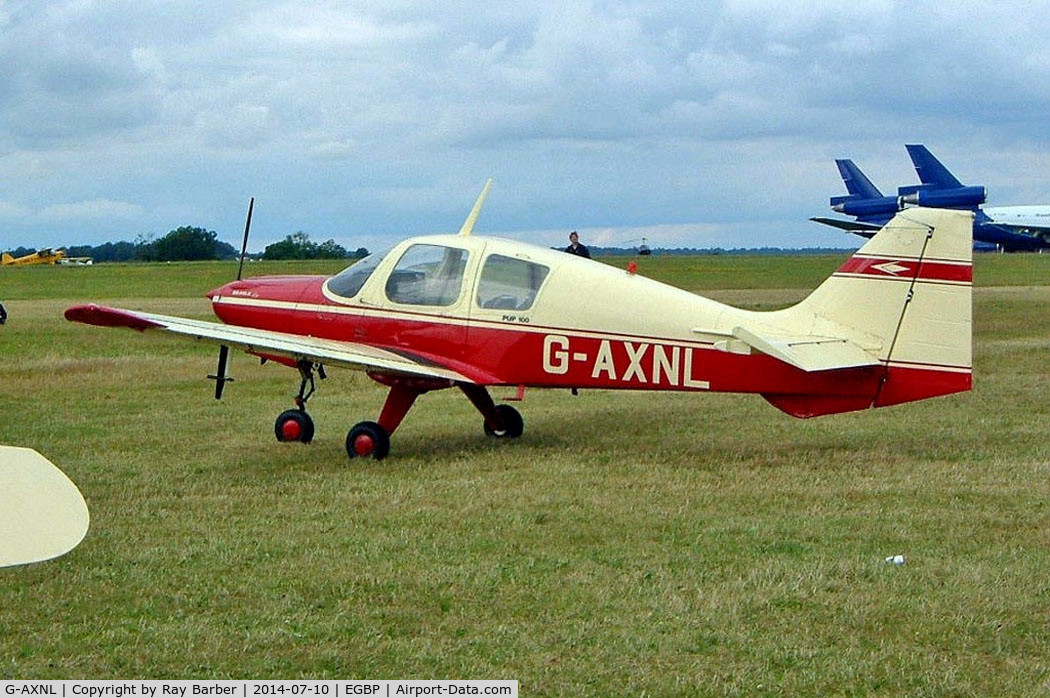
(627, 544)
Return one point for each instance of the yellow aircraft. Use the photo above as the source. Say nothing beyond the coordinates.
(44, 256)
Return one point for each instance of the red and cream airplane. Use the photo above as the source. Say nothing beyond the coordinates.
(892, 325)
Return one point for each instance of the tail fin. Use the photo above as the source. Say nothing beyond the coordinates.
(857, 183)
(905, 299)
(5, 258)
(930, 169)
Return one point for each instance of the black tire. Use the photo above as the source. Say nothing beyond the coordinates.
(367, 439)
(294, 425)
(513, 425)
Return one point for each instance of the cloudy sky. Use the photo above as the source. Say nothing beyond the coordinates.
(691, 124)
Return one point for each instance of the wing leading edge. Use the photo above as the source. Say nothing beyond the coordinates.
(268, 343)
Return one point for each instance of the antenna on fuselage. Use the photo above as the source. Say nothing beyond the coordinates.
(221, 376)
(468, 225)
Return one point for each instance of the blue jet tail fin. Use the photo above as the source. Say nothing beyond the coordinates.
(857, 183)
(930, 169)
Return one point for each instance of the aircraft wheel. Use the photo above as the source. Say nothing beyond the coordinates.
(294, 425)
(368, 439)
(512, 423)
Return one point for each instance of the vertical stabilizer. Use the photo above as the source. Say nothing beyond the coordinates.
(930, 170)
(857, 183)
(905, 298)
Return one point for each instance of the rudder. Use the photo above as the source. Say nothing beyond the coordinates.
(904, 297)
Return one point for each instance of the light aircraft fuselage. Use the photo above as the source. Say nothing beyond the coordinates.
(587, 325)
(891, 325)
(45, 256)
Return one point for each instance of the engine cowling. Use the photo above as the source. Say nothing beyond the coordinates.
(961, 197)
(865, 207)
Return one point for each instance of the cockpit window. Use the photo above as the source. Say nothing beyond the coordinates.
(509, 284)
(427, 275)
(349, 281)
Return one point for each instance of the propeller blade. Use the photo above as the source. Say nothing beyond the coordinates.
(220, 377)
(244, 245)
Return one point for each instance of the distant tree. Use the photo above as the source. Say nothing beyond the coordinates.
(294, 246)
(144, 249)
(186, 243)
(224, 250)
(330, 250)
(361, 253)
(299, 246)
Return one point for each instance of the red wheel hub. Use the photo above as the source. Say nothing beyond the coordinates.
(364, 445)
(291, 430)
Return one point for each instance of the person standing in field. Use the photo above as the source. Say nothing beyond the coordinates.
(576, 248)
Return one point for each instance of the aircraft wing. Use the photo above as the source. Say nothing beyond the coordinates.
(848, 226)
(269, 343)
(44, 514)
(807, 352)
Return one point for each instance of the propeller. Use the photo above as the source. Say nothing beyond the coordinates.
(221, 376)
(244, 244)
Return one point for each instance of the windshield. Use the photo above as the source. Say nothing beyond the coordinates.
(349, 281)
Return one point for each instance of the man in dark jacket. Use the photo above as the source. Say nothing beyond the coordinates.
(575, 247)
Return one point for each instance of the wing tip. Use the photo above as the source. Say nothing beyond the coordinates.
(102, 316)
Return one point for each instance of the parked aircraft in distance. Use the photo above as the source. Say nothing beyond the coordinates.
(1010, 228)
(892, 325)
(44, 256)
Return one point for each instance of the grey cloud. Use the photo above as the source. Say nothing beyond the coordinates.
(599, 113)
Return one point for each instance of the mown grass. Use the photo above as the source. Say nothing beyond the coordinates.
(627, 544)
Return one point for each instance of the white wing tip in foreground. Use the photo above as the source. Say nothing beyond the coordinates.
(42, 513)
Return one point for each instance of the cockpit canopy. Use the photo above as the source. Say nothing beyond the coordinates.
(429, 274)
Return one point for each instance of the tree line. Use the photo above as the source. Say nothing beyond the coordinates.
(190, 243)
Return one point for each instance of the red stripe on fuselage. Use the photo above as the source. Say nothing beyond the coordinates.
(492, 352)
(512, 355)
(907, 269)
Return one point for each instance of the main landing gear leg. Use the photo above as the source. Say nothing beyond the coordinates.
(373, 438)
(501, 421)
(297, 424)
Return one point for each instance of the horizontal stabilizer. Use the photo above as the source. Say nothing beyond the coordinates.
(848, 226)
(808, 352)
